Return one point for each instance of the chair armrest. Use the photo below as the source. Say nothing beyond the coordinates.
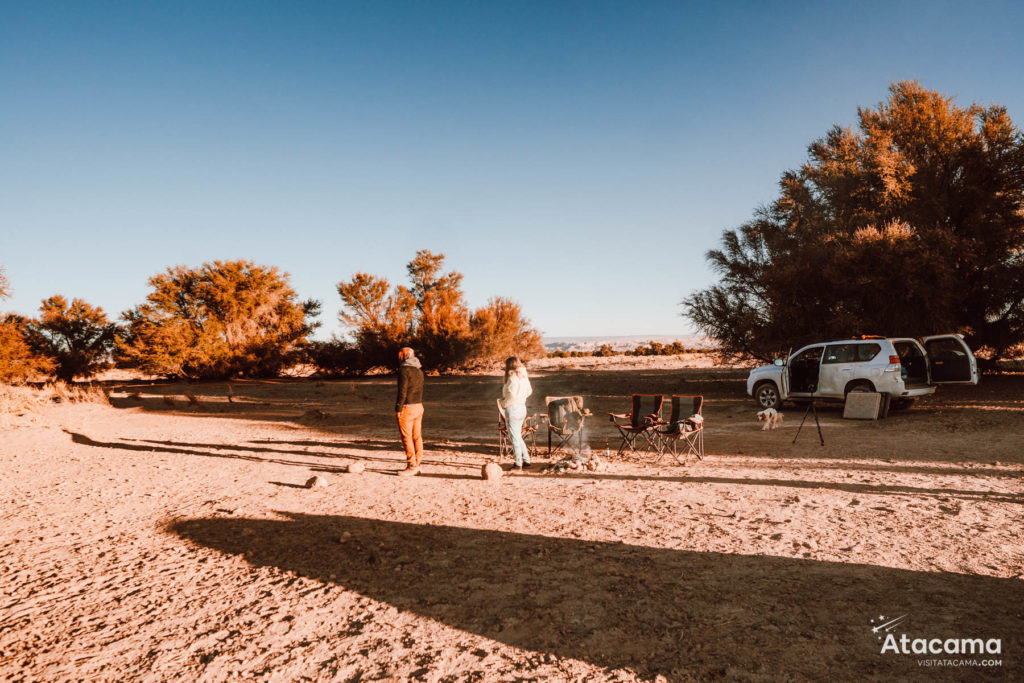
(620, 416)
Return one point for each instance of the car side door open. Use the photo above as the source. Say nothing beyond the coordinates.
(803, 370)
(950, 360)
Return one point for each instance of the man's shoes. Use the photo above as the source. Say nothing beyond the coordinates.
(409, 472)
(526, 465)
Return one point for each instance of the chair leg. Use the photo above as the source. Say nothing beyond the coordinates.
(661, 454)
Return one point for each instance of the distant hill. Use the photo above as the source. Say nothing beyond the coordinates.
(625, 343)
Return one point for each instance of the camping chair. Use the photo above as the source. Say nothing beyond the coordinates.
(565, 420)
(637, 427)
(686, 425)
(529, 433)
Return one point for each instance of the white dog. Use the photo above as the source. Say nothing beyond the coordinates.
(772, 418)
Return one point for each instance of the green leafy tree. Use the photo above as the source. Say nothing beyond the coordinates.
(77, 337)
(909, 225)
(224, 319)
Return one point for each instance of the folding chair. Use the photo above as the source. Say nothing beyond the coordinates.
(637, 427)
(529, 433)
(565, 420)
(686, 425)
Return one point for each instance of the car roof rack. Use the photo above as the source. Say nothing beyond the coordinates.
(857, 337)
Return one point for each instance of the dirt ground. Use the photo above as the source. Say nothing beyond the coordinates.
(163, 538)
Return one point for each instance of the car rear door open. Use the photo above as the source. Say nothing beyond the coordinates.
(950, 360)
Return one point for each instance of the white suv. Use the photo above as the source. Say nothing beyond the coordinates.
(901, 367)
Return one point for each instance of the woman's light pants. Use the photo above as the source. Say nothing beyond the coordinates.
(516, 415)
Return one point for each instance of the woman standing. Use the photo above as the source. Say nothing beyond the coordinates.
(513, 396)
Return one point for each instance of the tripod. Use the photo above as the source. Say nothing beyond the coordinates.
(810, 409)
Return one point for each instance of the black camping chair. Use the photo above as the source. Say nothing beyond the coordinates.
(685, 426)
(529, 433)
(637, 426)
(565, 420)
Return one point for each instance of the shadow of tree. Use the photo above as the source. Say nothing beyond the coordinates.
(683, 614)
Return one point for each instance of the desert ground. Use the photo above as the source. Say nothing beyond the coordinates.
(169, 535)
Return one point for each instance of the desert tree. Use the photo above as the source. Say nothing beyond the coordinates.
(442, 318)
(18, 361)
(223, 319)
(499, 330)
(381, 320)
(430, 314)
(77, 337)
(910, 224)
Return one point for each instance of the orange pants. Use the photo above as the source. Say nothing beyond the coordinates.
(410, 424)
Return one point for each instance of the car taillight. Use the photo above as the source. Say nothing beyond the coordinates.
(894, 360)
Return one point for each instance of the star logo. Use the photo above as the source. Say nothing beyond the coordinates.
(886, 625)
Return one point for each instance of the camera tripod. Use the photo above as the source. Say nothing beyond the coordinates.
(810, 409)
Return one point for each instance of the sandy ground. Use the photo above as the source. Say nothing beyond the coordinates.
(157, 539)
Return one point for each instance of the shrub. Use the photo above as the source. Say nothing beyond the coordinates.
(336, 357)
(224, 319)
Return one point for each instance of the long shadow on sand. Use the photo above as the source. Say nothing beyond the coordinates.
(247, 452)
(220, 451)
(679, 613)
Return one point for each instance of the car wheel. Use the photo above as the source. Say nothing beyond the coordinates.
(767, 395)
(860, 388)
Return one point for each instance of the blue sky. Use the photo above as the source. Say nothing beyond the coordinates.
(580, 158)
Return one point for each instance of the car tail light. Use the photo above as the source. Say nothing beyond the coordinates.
(894, 360)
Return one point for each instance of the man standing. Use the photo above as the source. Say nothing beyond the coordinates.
(409, 410)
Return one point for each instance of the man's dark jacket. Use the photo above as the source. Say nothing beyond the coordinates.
(410, 386)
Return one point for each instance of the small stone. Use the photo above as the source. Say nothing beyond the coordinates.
(316, 482)
(491, 471)
(357, 468)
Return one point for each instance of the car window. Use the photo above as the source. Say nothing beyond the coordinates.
(840, 353)
(811, 355)
(850, 353)
(946, 349)
(866, 352)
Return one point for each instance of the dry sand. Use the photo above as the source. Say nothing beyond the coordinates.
(166, 539)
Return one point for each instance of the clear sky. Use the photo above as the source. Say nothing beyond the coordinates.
(579, 157)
